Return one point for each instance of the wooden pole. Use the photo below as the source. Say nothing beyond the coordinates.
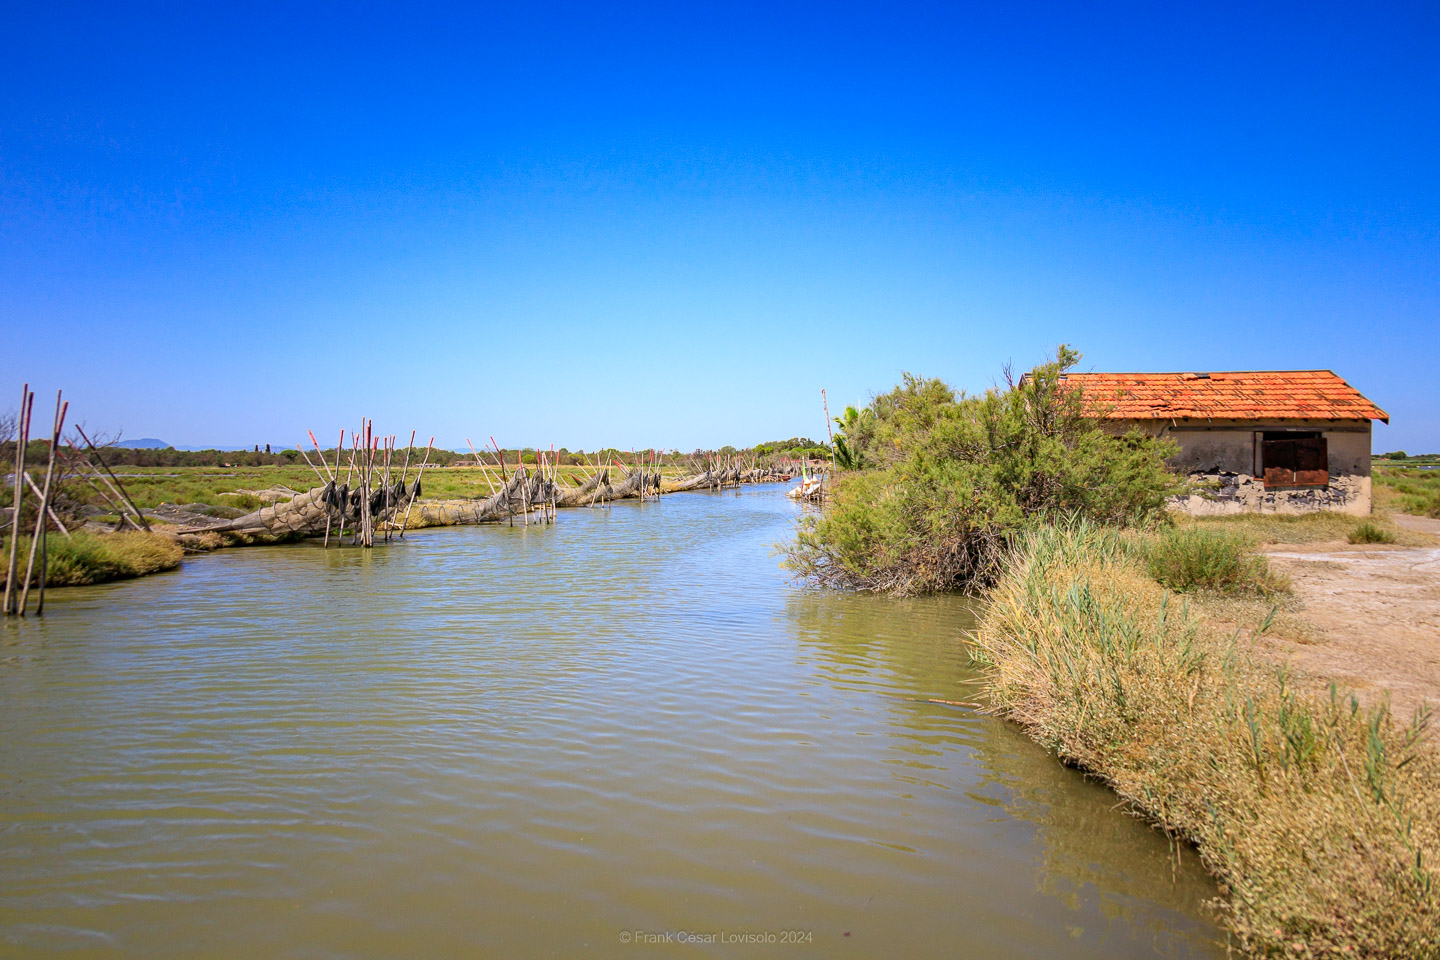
(319, 453)
(389, 454)
(39, 537)
(117, 505)
(50, 510)
(554, 479)
(828, 429)
(501, 457)
(484, 472)
(365, 466)
(320, 476)
(420, 475)
(117, 486)
(404, 472)
(22, 437)
(525, 488)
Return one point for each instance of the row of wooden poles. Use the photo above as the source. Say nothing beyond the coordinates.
(546, 506)
(371, 458)
(550, 469)
(17, 591)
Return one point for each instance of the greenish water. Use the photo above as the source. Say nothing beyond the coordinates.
(496, 742)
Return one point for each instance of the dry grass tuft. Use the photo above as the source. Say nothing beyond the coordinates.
(1321, 819)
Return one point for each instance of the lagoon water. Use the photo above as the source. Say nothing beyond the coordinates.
(623, 735)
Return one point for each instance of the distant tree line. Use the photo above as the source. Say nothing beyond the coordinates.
(151, 457)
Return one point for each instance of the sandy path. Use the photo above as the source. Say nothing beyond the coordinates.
(1378, 609)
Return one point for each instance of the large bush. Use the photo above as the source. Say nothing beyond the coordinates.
(954, 477)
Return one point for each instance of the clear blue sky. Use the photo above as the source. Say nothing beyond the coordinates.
(672, 225)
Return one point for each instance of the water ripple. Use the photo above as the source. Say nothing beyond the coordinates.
(524, 741)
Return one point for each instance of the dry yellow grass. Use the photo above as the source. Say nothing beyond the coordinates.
(1321, 819)
(1320, 527)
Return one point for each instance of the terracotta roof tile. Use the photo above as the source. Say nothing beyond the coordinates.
(1227, 395)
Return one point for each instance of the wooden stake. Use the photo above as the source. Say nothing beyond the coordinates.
(39, 537)
(50, 510)
(389, 453)
(317, 473)
(484, 472)
(501, 457)
(828, 429)
(420, 475)
(114, 480)
(22, 437)
(319, 453)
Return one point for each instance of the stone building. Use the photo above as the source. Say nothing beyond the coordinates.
(1272, 441)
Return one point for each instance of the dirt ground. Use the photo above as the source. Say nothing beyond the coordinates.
(1376, 610)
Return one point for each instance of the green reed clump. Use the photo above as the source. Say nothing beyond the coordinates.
(1371, 532)
(1190, 557)
(84, 558)
(1321, 819)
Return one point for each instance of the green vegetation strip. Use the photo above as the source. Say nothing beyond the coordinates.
(1411, 490)
(85, 558)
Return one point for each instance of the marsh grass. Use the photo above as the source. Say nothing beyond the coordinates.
(1320, 527)
(85, 558)
(1321, 819)
(1186, 559)
(1372, 532)
(1409, 490)
(1280, 528)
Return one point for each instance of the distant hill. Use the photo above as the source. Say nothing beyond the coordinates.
(144, 443)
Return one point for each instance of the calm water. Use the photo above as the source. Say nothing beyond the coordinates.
(495, 742)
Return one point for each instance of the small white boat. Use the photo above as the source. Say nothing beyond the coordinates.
(811, 488)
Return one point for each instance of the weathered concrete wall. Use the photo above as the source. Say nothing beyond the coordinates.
(1225, 471)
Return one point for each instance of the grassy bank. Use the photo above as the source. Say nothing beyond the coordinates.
(1320, 818)
(1408, 490)
(85, 558)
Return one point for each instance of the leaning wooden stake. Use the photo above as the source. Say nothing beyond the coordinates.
(389, 455)
(22, 437)
(60, 524)
(828, 429)
(479, 463)
(40, 529)
(114, 480)
(419, 475)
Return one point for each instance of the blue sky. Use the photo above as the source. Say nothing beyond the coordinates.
(671, 226)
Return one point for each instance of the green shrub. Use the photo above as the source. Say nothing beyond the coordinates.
(1371, 532)
(959, 475)
(1191, 558)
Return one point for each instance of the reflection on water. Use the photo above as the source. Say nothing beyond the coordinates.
(519, 742)
(1123, 883)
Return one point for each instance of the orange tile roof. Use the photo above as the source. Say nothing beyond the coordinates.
(1228, 395)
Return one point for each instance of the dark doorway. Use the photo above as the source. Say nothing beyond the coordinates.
(1295, 460)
